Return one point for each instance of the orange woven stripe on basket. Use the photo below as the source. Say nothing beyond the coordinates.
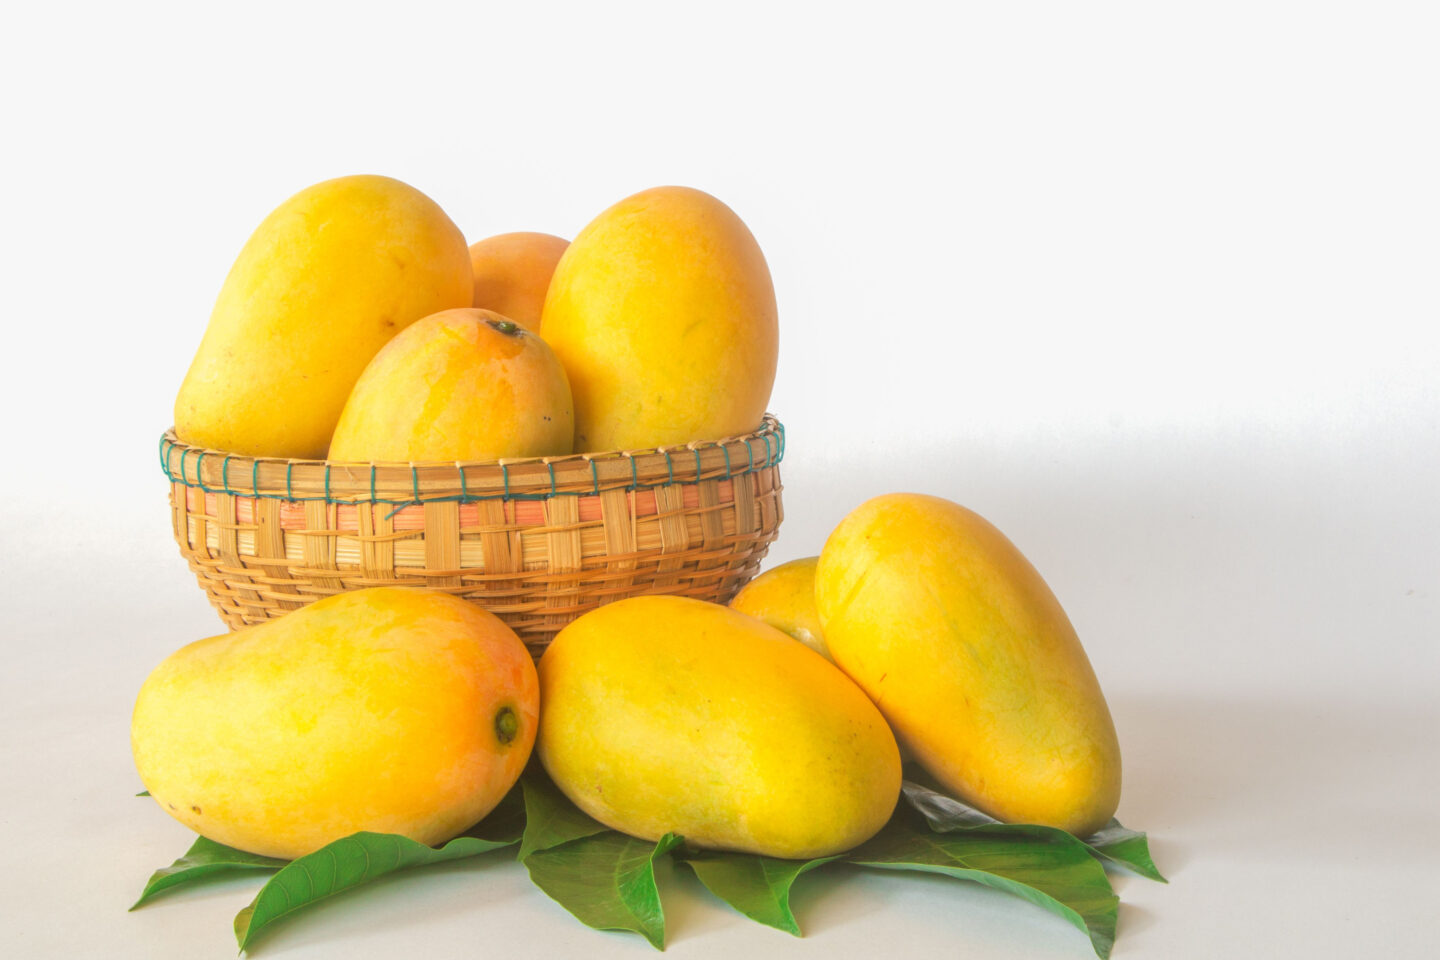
(527, 513)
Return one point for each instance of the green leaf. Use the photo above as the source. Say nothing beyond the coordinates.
(550, 818)
(343, 865)
(204, 859)
(1129, 848)
(943, 812)
(757, 886)
(143, 793)
(607, 880)
(1051, 868)
(1113, 842)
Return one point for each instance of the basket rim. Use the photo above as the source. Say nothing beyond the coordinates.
(509, 478)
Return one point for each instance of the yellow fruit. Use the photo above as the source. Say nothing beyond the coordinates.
(459, 385)
(961, 644)
(784, 597)
(392, 709)
(512, 273)
(663, 313)
(328, 277)
(669, 714)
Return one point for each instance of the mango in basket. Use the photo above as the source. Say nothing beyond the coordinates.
(391, 709)
(663, 313)
(671, 714)
(512, 273)
(328, 277)
(972, 660)
(459, 385)
(784, 597)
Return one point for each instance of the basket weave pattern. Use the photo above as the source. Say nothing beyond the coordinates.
(535, 541)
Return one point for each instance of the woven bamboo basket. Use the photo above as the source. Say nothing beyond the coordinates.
(536, 541)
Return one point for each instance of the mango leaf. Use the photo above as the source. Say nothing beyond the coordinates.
(607, 880)
(204, 859)
(1113, 842)
(943, 812)
(357, 859)
(1129, 848)
(1052, 870)
(758, 887)
(550, 818)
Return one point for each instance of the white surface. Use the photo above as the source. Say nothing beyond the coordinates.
(1154, 290)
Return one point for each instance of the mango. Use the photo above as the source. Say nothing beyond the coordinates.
(784, 597)
(328, 277)
(663, 313)
(512, 273)
(964, 648)
(458, 385)
(668, 714)
(392, 709)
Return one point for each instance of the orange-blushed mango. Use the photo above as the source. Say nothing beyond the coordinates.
(459, 385)
(663, 312)
(392, 709)
(669, 714)
(512, 273)
(964, 648)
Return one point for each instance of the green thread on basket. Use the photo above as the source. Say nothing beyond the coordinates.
(773, 455)
(447, 498)
(414, 485)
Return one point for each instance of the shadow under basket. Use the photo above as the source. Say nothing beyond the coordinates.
(536, 541)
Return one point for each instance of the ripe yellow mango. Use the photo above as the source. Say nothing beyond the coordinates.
(670, 714)
(458, 385)
(784, 597)
(394, 710)
(328, 277)
(512, 273)
(965, 650)
(663, 313)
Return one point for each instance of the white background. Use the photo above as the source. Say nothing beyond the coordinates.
(1151, 286)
